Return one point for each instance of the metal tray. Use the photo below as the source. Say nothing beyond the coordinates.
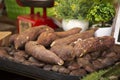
(33, 72)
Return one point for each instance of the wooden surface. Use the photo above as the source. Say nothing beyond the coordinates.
(4, 38)
(4, 34)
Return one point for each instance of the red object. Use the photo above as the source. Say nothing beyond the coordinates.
(32, 19)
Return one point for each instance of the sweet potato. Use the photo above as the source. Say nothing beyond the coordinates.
(97, 64)
(65, 52)
(32, 59)
(33, 64)
(78, 72)
(74, 66)
(36, 62)
(46, 38)
(47, 67)
(89, 68)
(56, 68)
(12, 38)
(4, 54)
(74, 37)
(64, 70)
(20, 56)
(93, 44)
(68, 33)
(42, 54)
(30, 35)
(83, 62)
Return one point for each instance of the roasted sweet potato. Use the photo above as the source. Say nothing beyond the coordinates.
(65, 52)
(30, 35)
(93, 44)
(74, 37)
(68, 33)
(42, 54)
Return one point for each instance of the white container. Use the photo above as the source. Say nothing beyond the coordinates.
(105, 31)
(69, 24)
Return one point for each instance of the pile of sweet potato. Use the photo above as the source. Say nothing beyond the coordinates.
(70, 52)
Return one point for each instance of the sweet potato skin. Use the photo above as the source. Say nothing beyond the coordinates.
(46, 38)
(20, 56)
(4, 54)
(12, 38)
(42, 54)
(68, 33)
(93, 44)
(30, 34)
(72, 38)
(65, 52)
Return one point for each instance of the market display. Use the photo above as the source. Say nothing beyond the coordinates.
(42, 54)
(46, 38)
(68, 32)
(65, 52)
(72, 38)
(92, 44)
(30, 34)
(72, 53)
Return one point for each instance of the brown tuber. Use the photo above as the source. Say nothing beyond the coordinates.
(74, 66)
(64, 70)
(20, 56)
(47, 67)
(93, 44)
(78, 72)
(56, 68)
(72, 38)
(30, 34)
(4, 54)
(46, 38)
(42, 54)
(65, 52)
(68, 32)
(12, 38)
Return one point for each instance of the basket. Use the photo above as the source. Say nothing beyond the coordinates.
(14, 10)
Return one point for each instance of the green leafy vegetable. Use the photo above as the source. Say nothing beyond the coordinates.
(95, 75)
(101, 12)
(72, 9)
(114, 71)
